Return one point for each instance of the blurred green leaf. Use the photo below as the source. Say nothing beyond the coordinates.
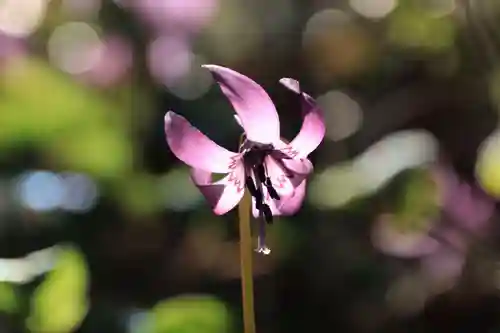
(9, 301)
(189, 314)
(60, 304)
(178, 190)
(139, 194)
(44, 108)
(417, 202)
(100, 151)
(412, 27)
(38, 98)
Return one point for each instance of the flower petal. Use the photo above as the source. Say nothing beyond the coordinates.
(224, 194)
(280, 177)
(313, 127)
(290, 205)
(195, 149)
(287, 205)
(285, 179)
(254, 107)
(285, 153)
(301, 167)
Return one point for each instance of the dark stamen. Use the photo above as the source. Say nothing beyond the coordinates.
(268, 215)
(261, 172)
(268, 182)
(256, 193)
(272, 192)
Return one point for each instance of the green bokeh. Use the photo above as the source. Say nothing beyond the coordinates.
(60, 303)
(189, 314)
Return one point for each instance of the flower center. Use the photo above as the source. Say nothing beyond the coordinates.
(257, 179)
(254, 160)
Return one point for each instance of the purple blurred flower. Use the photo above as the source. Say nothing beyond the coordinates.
(173, 25)
(177, 51)
(10, 48)
(113, 63)
(467, 205)
(176, 16)
(272, 170)
(443, 246)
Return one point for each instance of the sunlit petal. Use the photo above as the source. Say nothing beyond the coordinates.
(254, 107)
(224, 194)
(194, 148)
(313, 127)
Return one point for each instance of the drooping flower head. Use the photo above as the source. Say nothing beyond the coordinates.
(273, 171)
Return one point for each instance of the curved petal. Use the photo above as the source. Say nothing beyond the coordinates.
(195, 149)
(288, 156)
(280, 177)
(224, 194)
(283, 178)
(291, 205)
(284, 152)
(287, 205)
(253, 105)
(303, 166)
(313, 127)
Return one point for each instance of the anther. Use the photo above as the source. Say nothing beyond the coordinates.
(264, 250)
(271, 190)
(268, 182)
(261, 239)
(257, 194)
(261, 173)
(268, 215)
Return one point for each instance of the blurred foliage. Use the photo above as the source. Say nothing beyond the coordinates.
(9, 298)
(75, 126)
(187, 314)
(414, 27)
(60, 303)
(417, 201)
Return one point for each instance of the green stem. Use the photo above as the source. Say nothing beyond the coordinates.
(246, 255)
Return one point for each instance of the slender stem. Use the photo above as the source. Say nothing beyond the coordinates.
(246, 254)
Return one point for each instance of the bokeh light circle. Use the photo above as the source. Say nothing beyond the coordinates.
(74, 47)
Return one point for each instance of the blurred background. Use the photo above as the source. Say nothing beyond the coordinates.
(101, 229)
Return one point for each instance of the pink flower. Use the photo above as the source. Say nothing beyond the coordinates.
(273, 171)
